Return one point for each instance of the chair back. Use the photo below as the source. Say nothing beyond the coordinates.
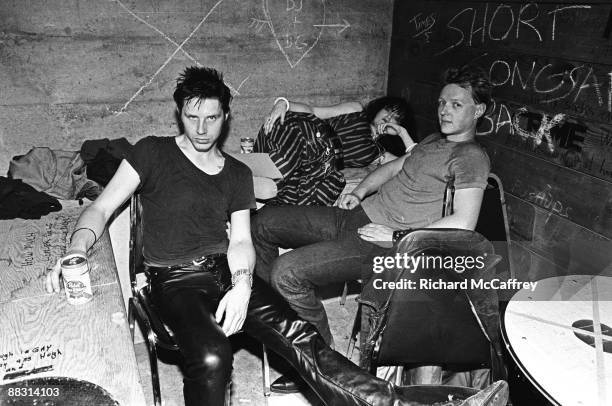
(492, 219)
(136, 259)
(493, 224)
(142, 296)
(434, 326)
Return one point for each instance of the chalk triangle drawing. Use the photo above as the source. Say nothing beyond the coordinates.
(296, 25)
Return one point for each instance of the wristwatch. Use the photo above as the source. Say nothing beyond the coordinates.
(399, 234)
(240, 272)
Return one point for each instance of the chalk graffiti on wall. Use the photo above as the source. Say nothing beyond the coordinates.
(505, 117)
(566, 140)
(552, 83)
(544, 198)
(423, 25)
(179, 48)
(543, 132)
(471, 25)
(296, 26)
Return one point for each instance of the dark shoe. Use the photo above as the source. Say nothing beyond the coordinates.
(495, 394)
(288, 383)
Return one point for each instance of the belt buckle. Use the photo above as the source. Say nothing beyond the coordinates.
(199, 261)
(205, 262)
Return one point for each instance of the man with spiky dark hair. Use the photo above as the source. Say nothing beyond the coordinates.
(189, 189)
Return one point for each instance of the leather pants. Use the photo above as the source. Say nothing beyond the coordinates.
(187, 300)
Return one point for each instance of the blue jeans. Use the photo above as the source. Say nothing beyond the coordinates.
(326, 249)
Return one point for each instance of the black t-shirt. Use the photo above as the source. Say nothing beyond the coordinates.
(184, 209)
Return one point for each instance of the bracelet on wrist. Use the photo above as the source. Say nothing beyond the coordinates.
(242, 274)
(84, 228)
(283, 99)
(399, 234)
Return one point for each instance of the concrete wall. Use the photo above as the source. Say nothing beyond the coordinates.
(72, 70)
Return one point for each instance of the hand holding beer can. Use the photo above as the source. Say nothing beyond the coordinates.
(75, 272)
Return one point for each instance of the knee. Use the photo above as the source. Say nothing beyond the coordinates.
(212, 360)
(285, 279)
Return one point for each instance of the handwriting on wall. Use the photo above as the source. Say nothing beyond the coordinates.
(296, 25)
(554, 82)
(514, 120)
(504, 22)
(557, 83)
(543, 197)
(39, 357)
(423, 25)
(567, 141)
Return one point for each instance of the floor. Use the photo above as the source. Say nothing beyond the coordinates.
(247, 388)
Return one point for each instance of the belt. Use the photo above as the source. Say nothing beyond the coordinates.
(206, 262)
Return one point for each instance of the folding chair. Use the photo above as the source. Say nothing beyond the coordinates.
(493, 226)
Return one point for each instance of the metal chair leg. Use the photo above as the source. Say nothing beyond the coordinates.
(354, 333)
(344, 293)
(154, 371)
(228, 393)
(131, 318)
(265, 366)
(399, 374)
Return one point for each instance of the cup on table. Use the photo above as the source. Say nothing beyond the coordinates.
(246, 145)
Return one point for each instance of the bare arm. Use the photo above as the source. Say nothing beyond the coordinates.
(466, 208)
(233, 306)
(240, 253)
(371, 183)
(93, 219)
(280, 108)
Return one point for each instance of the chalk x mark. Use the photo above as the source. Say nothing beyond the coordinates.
(179, 47)
(242, 83)
(154, 28)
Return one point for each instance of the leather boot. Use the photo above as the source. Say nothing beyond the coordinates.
(335, 379)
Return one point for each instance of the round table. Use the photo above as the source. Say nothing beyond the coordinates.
(559, 336)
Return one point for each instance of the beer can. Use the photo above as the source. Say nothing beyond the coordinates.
(246, 145)
(75, 272)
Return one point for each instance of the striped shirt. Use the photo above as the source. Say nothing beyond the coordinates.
(309, 152)
(302, 150)
(358, 146)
